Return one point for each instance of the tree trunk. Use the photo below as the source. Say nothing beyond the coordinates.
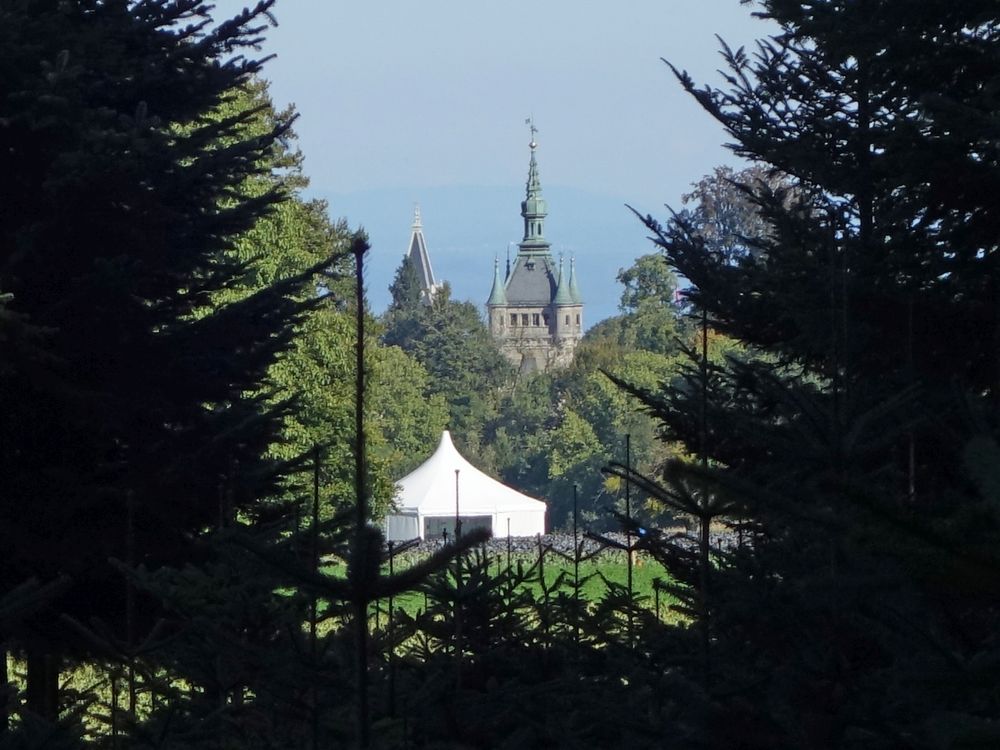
(4, 693)
(43, 684)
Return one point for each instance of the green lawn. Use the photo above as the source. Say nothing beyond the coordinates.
(592, 572)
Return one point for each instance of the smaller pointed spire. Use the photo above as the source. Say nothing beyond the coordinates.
(563, 296)
(497, 294)
(574, 290)
(420, 258)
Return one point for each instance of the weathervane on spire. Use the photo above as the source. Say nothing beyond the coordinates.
(530, 122)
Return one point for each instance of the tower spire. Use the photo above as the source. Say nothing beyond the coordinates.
(533, 207)
(420, 258)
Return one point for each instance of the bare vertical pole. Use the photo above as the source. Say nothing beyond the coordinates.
(114, 708)
(359, 246)
(508, 543)
(392, 651)
(222, 504)
(391, 555)
(576, 568)
(628, 528)
(545, 590)
(703, 436)
(704, 546)
(458, 586)
(911, 447)
(130, 598)
(4, 684)
(314, 605)
(314, 546)
(458, 519)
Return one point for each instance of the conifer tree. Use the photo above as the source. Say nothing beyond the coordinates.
(850, 435)
(405, 289)
(121, 195)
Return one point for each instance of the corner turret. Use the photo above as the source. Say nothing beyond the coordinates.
(574, 290)
(497, 294)
(563, 294)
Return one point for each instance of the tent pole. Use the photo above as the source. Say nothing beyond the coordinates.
(458, 520)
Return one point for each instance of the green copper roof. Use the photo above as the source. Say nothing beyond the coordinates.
(497, 294)
(563, 295)
(533, 208)
(574, 290)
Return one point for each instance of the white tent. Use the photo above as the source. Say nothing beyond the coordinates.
(426, 504)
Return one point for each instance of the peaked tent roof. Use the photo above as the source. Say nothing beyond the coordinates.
(430, 488)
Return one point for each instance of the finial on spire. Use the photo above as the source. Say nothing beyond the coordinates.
(416, 215)
(530, 122)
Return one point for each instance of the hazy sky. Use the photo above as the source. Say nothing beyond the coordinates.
(418, 95)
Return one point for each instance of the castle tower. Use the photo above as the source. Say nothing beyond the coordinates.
(420, 259)
(535, 313)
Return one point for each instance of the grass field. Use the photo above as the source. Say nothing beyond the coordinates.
(593, 573)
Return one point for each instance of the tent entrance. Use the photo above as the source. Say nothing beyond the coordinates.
(434, 527)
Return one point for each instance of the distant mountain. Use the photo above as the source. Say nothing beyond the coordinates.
(467, 227)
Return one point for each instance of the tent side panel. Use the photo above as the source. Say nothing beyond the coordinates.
(401, 527)
(522, 523)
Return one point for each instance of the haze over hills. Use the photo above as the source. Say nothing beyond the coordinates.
(467, 227)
